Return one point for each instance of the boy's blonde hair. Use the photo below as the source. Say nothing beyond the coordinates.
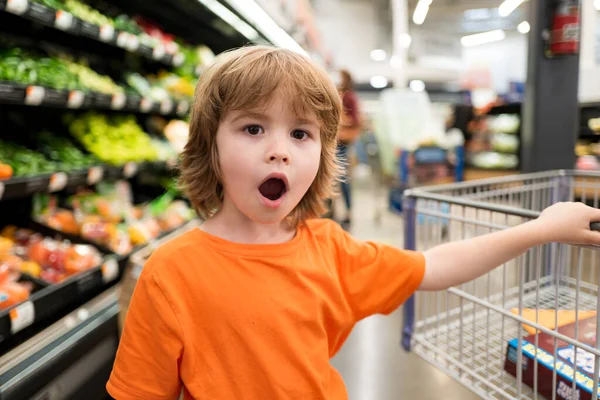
(245, 79)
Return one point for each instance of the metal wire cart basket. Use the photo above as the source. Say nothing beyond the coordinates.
(548, 297)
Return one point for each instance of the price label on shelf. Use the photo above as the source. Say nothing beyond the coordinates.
(158, 52)
(58, 181)
(178, 59)
(130, 169)
(107, 32)
(76, 98)
(63, 20)
(133, 43)
(172, 162)
(1, 190)
(166, 106)
(34, 95)
(110, 270)
(118, 101)
(95, 175)
(18, 7)
(21, 316)
(183, 107)
(146, 105)
(122, 39)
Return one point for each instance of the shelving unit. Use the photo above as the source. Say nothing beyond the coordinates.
(492, 152)
(33, 95)
(77, 313)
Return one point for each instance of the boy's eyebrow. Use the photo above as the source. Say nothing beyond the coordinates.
(249, 114)
(304, 121)
(257, 115)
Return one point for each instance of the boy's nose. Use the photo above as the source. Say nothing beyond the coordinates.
(278, 152)
(279, 156)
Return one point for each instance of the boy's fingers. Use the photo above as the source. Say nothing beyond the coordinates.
(592, 237)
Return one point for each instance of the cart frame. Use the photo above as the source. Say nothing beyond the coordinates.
(542, 276)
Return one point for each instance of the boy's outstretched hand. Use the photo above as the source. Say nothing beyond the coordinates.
(454, 263)
(569, 223)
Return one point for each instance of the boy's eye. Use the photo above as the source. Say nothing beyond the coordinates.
(299, 135)
(253, 129)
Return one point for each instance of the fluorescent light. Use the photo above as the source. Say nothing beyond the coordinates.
(379, 82)
(254, 13)
(524, 27)
(226, 15)
(482, 38)
(405, 40)
(597, 4)
(417, 86)
(421, 11)
(378, 55)
(508, 6)
(396, 62)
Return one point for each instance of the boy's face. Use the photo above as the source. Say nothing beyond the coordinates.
(268, 158)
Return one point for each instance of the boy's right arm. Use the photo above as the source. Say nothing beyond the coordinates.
(147, 362)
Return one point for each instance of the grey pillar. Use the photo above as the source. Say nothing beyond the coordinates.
(550, 110)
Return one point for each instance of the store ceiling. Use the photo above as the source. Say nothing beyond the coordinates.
(468, 16)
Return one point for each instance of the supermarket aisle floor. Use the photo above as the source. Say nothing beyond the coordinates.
(372, 362)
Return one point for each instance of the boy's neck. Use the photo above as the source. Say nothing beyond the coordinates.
(240, 229)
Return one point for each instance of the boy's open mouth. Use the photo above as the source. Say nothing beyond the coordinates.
(272, 188)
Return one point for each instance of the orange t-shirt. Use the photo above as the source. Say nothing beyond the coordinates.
(231, 321)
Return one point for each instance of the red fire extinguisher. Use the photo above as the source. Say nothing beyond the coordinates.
(564, 35)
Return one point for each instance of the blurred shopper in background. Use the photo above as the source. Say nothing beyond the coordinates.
(350, 130)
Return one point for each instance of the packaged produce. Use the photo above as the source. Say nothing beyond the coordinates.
(109, 218)
(505, 143)
(113, 139)
(505, 123)
(42, 257)
(13, 293)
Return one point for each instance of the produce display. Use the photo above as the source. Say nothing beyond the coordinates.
(58, 131)
(64, 152)
(495, 142)
(23, 67)
(26, 252)
(109, 218)
(114, 139)
(19, 161)
(162, 86)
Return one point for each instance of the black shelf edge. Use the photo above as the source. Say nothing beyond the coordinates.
(512, 108)
(68, 23)
(22, 187)
(33, 95)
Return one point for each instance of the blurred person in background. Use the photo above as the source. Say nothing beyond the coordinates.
(349, 132)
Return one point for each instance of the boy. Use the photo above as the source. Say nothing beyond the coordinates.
(255, 303)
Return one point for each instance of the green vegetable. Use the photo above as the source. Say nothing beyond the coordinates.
(24, 161)
(115, 139)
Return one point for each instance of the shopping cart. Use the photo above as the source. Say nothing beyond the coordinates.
(472, 332)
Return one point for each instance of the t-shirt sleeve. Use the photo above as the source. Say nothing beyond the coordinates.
(376, 278)
(151, 346)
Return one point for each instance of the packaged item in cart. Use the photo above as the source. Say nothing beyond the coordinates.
(549, 318)
(565, 361)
